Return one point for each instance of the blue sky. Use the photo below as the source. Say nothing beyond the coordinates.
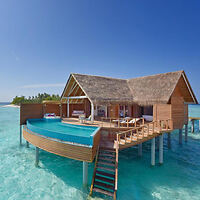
(42, 41)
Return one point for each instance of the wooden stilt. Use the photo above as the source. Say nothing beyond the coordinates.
(153, 152)
(161, 149)
(85, 173)
(27, 144)
(192, 125)
(169, 140)
(180, 136)
(186, 132)
(157, 143)
(199, 125)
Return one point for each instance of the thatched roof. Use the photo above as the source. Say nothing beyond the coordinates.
(146, 90)
(154, 89)
(103, 89)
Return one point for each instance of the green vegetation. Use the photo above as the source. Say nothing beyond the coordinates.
(35, 99)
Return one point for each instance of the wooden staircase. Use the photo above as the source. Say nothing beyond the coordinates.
(143, 133)
(105, 174)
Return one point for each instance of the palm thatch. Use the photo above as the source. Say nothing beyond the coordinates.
(144, 91)
(154, 89)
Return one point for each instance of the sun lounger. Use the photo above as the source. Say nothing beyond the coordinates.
(50, 116)
(134, 120)
(131, 122)
(76, 113)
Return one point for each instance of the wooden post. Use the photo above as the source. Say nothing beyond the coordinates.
(160, 124)
(60, 110)
(199, 125)
(20, 135)
(92, 112)
(85, 173)
(161, 149)
(106, 111)
(27, 144)
(68, 107)
(153, 128)
(36, 156)
(140, 149)
(135, 123)
(143, 131)
(169, 140)
(180, 136)
(192, 125)
(157, 143)
(137, 133)
(153, 151)
(167, 125)
(186, 132)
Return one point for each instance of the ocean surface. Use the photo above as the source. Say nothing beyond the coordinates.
(4, 103)
(59, 178)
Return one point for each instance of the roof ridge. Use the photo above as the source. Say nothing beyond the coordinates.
(181, 71)
(98, 76)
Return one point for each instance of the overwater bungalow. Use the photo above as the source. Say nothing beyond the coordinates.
(99, 116)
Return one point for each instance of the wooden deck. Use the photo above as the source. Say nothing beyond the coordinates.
(96, 123)
(137, 135)
(109, 124)
(126, 136)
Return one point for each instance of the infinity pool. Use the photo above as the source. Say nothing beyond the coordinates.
(54, 128)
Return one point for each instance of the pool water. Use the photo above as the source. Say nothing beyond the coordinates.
(54, 128)
(60, 178)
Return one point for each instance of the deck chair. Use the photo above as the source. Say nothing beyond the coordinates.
(133, 121)
(117, 121)
(125, 121)
(89, 118)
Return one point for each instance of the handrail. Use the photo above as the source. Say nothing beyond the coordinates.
(116, 164)
(95, 168)
(118, 123)
(145, 129)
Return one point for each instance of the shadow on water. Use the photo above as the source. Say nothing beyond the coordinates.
(69, 171)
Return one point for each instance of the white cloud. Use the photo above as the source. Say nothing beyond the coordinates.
(44, 85)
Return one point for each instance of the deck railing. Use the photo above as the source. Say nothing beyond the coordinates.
(144, 130)
(116, 167)
(117, 122)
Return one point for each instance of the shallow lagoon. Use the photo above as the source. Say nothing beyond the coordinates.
(60, 178)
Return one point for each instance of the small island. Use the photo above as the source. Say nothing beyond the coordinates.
(35, 99)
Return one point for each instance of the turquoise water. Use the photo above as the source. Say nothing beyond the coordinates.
(54, 128)
(60, 178)
(194, 111)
